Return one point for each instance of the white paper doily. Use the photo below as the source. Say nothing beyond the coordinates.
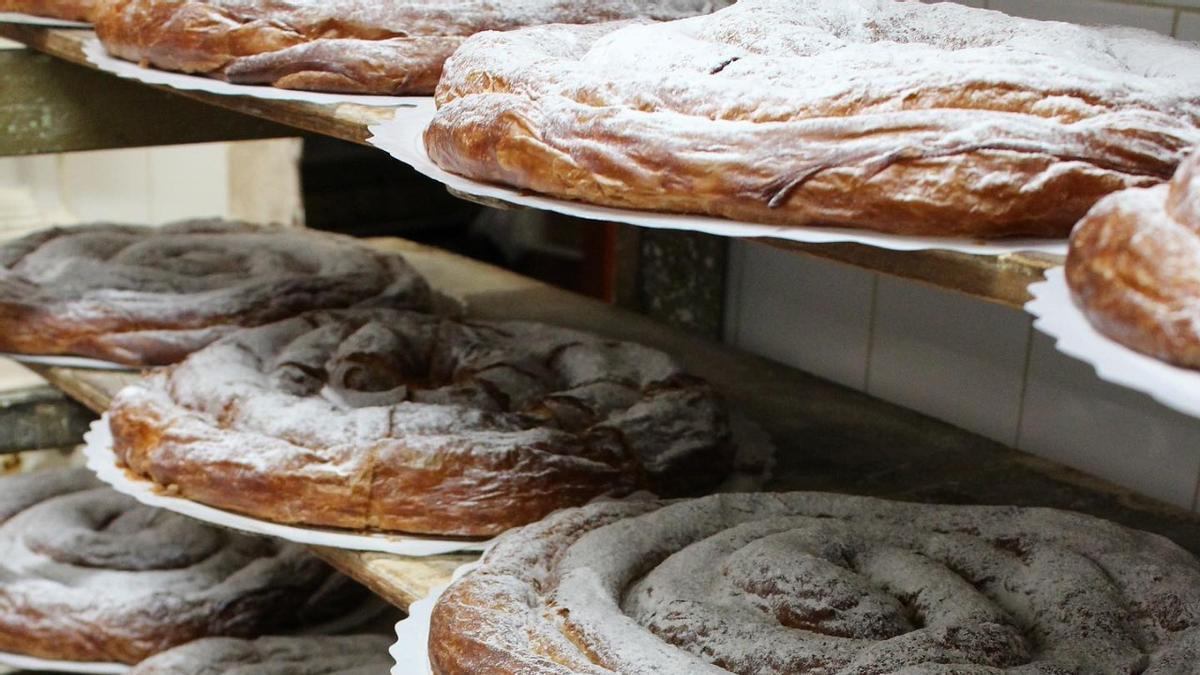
(411, 650)
(30, 663)
(95, 53)
(402, 138)
(69, 362)
(44, 21)
(1057, 316)
(98, 451)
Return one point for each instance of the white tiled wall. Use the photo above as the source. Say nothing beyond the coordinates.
(976, 365)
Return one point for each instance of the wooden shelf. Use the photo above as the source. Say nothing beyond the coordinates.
(829, 438)
(996, 279)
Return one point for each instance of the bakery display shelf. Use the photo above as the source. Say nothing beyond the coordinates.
(829, 438)
(999, 279)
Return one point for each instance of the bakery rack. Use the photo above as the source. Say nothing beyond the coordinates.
(142, 116)
(828, 437)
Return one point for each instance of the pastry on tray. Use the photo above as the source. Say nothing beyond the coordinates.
(395, 421)
(347, 46)
(88, 574)
(1134, 267)
(310, 655)
(145, 296)
(68, 10)
(820, 583)
(901, 117)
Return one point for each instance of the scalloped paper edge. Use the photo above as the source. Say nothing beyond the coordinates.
(1057, 316)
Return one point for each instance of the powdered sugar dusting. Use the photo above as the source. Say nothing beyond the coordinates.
(314, 655)
(89, 574)
(140, 295)
(350, 398)
(806, 582)
(770, 109)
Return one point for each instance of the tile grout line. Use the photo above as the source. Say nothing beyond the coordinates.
(871, 321)
(1024, 386)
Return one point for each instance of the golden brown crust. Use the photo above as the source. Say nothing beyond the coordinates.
(346, 46)
(150, 296)
(1134, 267)
(808, 582)
(87, 574)
(397, 421)
(708, 116)
(68, 10)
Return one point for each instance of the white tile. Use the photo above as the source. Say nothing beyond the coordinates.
(1188, 27)
(107, 185)
(808, 313)
(1072, 416)
(1091, 12)
(188, 181)
(949, 356)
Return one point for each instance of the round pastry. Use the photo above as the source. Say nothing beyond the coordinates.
(311, 655)
(903, 117)
(88, 574)
(1134, 267)
(149, 296)
(68, 10)
(397, 421)
(820, 583)
(352, 46)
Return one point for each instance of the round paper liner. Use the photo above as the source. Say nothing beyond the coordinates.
(44, 21)
(98, 451)
(95, 53)
(69, 362)
(369, 610)
(411, 649)
(401, 137)
(1058, 316)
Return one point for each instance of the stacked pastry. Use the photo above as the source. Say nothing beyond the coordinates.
(819, 583)
(353, 46)
(1134, 267)
(903, 117)
(150, 296)
(88, 574)
(68, 10)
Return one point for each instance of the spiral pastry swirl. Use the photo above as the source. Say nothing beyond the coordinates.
(313, 655)
(819, 583)
(88, 574)
(1134, 267)
(150, 296)
(399, 421)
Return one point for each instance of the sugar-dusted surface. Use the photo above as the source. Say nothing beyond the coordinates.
(148, 296)
(904, 117)
(344, 655)
(341, 45)
(1134, 267)
(87, 574)
(397, 421)
(811, 582)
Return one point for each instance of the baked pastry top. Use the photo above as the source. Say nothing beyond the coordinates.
(903, 117)
(397, 421)
(88, 574)
(352, 46)
(309, 655)
(149, 296)
(761, 584)
(69, 10)
(1134, 267)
